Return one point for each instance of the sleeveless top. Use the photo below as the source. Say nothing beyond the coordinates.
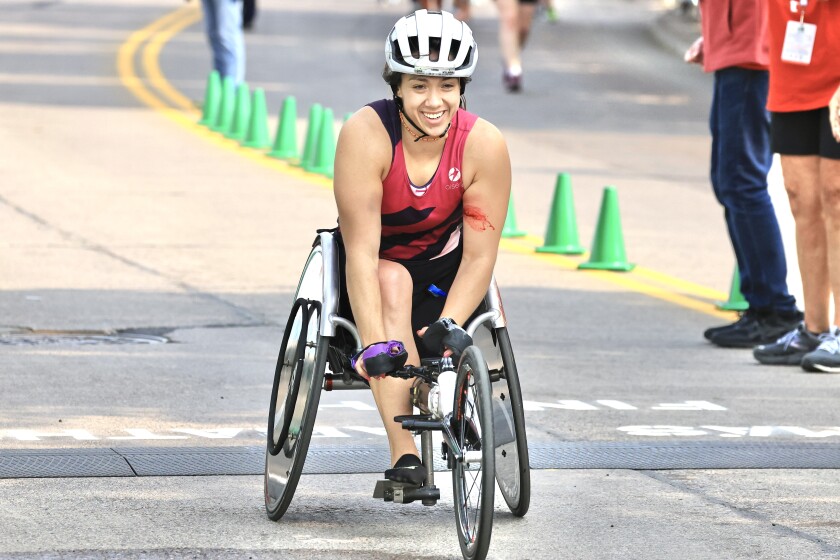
(421, 222)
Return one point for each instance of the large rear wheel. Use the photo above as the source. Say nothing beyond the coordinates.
(513, 468)
(298, 379)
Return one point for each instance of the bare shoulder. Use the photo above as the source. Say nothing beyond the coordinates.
(486, 152)
(363, 140)
(485, 141)
(364, 125)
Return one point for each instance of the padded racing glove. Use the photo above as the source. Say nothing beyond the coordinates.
(445, 334)
(381, 358)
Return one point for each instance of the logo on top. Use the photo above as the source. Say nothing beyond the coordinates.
(455, 174)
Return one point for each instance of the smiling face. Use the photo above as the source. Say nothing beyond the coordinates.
(430, 102)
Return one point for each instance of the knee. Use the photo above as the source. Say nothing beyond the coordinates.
(831, 200)
(395, 286)
(805, 203)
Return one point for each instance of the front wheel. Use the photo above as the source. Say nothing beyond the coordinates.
(473, 478)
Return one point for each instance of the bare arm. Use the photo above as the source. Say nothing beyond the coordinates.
(362, 156)
(487, 161)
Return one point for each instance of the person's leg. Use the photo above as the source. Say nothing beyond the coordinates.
(509, 41)
(249, 12)
(209, 12)
(232, 45)
(392, 395)
(715, 125)
(462, 10)
(742, 189)
(742, 160)
(801, 176)
(526, 18)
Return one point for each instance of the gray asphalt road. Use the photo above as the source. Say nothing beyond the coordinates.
(116, 217)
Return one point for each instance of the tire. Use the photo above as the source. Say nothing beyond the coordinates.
(472, 424)
(296, 391)
(513, 468)
(284, 391)
(283, 469)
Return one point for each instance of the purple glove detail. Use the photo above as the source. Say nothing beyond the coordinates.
(381, 358)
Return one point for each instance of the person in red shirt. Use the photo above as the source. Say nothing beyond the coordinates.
(422, 189)
(734, 47)
(804, 82)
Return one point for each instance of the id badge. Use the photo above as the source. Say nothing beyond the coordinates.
(799, 42)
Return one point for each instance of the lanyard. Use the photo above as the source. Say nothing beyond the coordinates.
(795, 6)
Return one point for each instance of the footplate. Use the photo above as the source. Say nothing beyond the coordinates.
(404, 493)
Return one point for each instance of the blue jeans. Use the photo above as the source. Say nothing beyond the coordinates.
(223, 19)
(741, 159)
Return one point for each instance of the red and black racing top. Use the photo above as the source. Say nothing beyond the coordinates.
(422, 222)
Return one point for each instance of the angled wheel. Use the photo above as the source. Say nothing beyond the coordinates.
(472, 478)
(298, 378)
(513, 469)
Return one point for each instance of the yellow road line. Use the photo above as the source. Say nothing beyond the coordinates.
(157, 34)
(151, 56)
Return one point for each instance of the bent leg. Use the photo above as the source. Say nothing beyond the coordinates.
(392, 395)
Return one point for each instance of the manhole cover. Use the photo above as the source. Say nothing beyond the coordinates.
(77, 338)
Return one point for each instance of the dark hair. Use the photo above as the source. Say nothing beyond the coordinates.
(394, 79)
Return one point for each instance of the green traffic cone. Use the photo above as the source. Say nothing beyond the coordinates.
(225, 115)
(324, 162)
(285, 141)
(313, 129)
(736, 301)
(561, 235)
(608, 247)
(212, 94)
(257, 135)
(510, 229)
(241, 114)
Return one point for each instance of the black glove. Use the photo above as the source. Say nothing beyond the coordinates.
(445, 334)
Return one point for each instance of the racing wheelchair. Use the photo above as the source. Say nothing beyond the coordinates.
(475, 404)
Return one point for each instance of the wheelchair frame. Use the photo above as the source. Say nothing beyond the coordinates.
(301, 375)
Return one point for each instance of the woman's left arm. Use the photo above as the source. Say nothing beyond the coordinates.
(486, 192)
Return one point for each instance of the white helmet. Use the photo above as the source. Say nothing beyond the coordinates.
(407, 47)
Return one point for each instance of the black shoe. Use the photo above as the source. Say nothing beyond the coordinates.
(513, 83)
(790, 349)
(408, 468)
(765, 329)
(746, 317)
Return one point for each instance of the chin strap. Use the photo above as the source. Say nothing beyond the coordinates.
(423, 135)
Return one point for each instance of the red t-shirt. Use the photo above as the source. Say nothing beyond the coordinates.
(420, 222)
(794, 87)
(734, 34)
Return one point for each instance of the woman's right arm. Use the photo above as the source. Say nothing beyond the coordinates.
(362, 159)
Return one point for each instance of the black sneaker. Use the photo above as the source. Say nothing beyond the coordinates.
(790, 349)
(746, 317)
(826, 358)
(765, 329)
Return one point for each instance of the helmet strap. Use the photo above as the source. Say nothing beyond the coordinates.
(417, 137)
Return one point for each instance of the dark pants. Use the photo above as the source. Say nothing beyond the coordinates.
(249, 11)
(741, 159)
